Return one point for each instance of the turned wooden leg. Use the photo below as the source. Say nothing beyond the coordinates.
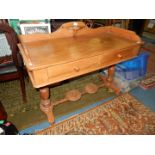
(108, 81)
(45, 104)
(111, 71)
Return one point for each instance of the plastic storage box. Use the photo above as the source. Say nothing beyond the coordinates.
(126, 85)
(134, 68)
(123, 84)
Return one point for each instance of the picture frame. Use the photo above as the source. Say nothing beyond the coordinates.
(35, 28)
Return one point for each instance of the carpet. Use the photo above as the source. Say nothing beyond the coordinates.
(122, 115)
(29, 114)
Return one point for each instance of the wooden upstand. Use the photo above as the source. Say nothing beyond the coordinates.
(74, 50)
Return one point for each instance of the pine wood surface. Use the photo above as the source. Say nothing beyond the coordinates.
(75, 49)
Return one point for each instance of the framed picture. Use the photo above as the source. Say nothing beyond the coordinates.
(35, 28)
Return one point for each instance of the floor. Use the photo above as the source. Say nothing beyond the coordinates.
(46, 124)
(146, 97)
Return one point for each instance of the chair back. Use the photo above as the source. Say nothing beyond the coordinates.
(12, 41)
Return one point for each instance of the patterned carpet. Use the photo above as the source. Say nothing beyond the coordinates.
(122, 115)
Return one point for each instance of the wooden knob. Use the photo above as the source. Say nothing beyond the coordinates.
(77, 69)
(119, 56)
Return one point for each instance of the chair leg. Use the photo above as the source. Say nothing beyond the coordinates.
(22, 85)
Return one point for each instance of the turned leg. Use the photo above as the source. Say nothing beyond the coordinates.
(45, 104)
(111, 71)
(108, 81)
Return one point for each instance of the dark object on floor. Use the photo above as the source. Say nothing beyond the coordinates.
(7, 128)
(12, 68)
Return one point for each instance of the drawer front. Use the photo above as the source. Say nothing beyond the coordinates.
(114, 57)
(72, 69)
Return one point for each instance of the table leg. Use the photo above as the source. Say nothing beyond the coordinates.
(108, 81)
(45, 104)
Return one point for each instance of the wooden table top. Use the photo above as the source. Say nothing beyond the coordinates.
(58, 51)
(55, 50)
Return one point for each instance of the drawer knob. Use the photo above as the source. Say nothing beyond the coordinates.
(77, 69)
(119, 56)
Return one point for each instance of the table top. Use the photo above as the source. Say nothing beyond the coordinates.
(67, 45)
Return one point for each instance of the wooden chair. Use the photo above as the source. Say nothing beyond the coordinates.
(11, 67)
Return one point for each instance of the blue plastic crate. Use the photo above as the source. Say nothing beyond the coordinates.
(134, 68)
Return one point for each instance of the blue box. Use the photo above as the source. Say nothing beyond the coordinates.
(134, 68)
